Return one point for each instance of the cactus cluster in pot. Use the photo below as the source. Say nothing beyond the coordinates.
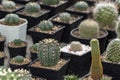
(50, 2)
(9, 5)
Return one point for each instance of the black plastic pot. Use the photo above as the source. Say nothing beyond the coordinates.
(2, 45)
(102, 39)
(48, 74)
(23, 1)
(2, 61)
(37, 36)
(33, 55)
(32, 21)
(79, 64)
(68, 27)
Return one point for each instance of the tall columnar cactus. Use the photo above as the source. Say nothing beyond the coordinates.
(96, 65)
(19, 59)
(65, 17)
(12, 19)
(32, 7)
(105, 13)
(89, 29)
(81, 6)
(17, 42)
(9, 5)
(113, 51)
(51, 2)
(49, 52)
(46, 25)
(71, 77)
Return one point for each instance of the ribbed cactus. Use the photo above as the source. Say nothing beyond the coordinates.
(46, 25)
(75, 46)
(32, 7)
(17, 42)
(7, 5)
(19, 59)
(12, 19)
(65, 17)
(113, 51)
(71, 77)
(96, 65)
(89, 29)
(49, 52)
(50, 2)
(81, 6)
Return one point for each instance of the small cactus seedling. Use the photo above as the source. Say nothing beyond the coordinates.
(71, 77)
(89, 29)
(35, 47)
(81, 6)
(51, 2)
(65, 17)
(17, 42)
(96, 65)
(7, 5)
(46, 25)
(19, 59)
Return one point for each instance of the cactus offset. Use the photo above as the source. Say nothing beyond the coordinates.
(89, 29)
(49, 52)
(71, 77)
(96, 65)
(51, 2)
(65, 17)
(75, 46)
(19, 59)
(7, 5)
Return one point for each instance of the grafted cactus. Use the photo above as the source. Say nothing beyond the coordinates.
(7, 5)
(49, 52)
(65, 17)
(51, 2)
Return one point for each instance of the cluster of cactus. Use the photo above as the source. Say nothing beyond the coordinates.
(89, 29)
(75, 46)
(71, 77)
(9, 5)
(81, 6)
(96, 65)
(46, 25)
(32, 7)
(65, 17)
(35, 47)
(105, 14)
(49, 52)
(19, 59)
(17, 42)
(12, 19)
(50, 2)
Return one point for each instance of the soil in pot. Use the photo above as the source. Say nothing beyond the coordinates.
(2, 42)
(2, 56)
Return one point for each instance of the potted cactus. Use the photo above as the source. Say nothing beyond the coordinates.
(49, 65)
(46, 29)
(79, 55)
(17, 47)
(68, 20)
(87, 30)
(33, 13)
(13, 27)
(2, 56)
(9, 7)
(71, 77)
(2, 42)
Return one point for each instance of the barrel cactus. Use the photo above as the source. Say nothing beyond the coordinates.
(32, 7)
(46, 25)
(89, 29)
(71, 77)
(105, 14)
(51, 2)
(9, 5)
(49, 52)
(17, 42)
(19, 59)
(12, 19)
(65, 17)
(81, 6)
(96, 65)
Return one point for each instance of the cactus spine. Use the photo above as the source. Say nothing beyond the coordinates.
(7, 5)
(65, 17)
(49, 52)
(96, 65)
(75, 46)
(51, 2)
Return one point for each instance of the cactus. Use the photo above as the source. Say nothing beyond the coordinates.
(46, 25)
(71, 77)
(49, 52)
(35, 47)
(105, 14)
(75, 46)
(12, 19)
(113, 51)
(96, 65)
(17, 42)
(89, 29)
(81, 6)
(32, 7)
(118, 28)
(51, 2)
(65, 17)
(18, 59)
(7, 5)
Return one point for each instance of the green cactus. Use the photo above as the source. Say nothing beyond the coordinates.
(71, 77)
(96, 65)
(89, 29)
(51, 2)
(7, 5)
(113, 51)
(105, 14)
(17, 42)
(18, 59)
(65, 17)
(32, 7)
(75, 46)
(49, 52)
(46, 25)
(35, 47)
(118, 28)
(81, 6)
(12, 19)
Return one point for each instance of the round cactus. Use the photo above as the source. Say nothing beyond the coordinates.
(81, 6)
(51, 2)
(17, 42)
(19, 59)
(49, 52)
(65, 17)
(105, 14)
(32, 7)
(46, 25)
(113, 51)
(12, 19)
(89, 29)
(75, 46)
(9, 5)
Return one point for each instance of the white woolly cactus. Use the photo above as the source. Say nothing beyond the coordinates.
(9, 5)
(65, 17)
(105, 13)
